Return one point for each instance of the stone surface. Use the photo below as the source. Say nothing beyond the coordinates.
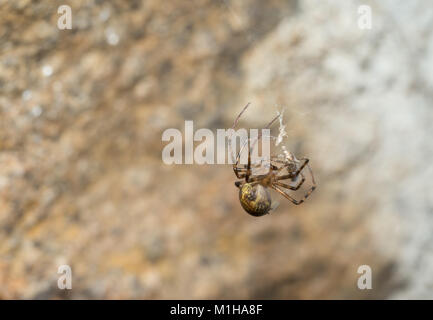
(81, 177)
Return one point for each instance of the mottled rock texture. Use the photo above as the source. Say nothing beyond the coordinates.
(82, 181)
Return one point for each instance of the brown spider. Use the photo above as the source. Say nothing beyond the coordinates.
(253, 189)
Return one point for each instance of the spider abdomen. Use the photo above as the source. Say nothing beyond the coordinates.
(255, 199)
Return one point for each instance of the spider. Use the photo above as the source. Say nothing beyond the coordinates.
(283, 175)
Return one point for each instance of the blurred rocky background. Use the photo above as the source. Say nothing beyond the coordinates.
(82, 181)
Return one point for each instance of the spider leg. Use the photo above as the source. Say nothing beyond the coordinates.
(247, 175)
(240, 114)
(296, 173)
(236, 171)
(302, 166)
(230, 146)
(274, 167)
(257, 179)
(285, 165)
(277, 159)
(240, 172)
(259, 136)
(287, 186)
(244, 168)
(267, 126)
(249, 172)
(247, 169)
(294, 201)
(278, 184)
(240, 183)
(313, 181)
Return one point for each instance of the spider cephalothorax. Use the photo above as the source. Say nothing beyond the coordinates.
(254, 192)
